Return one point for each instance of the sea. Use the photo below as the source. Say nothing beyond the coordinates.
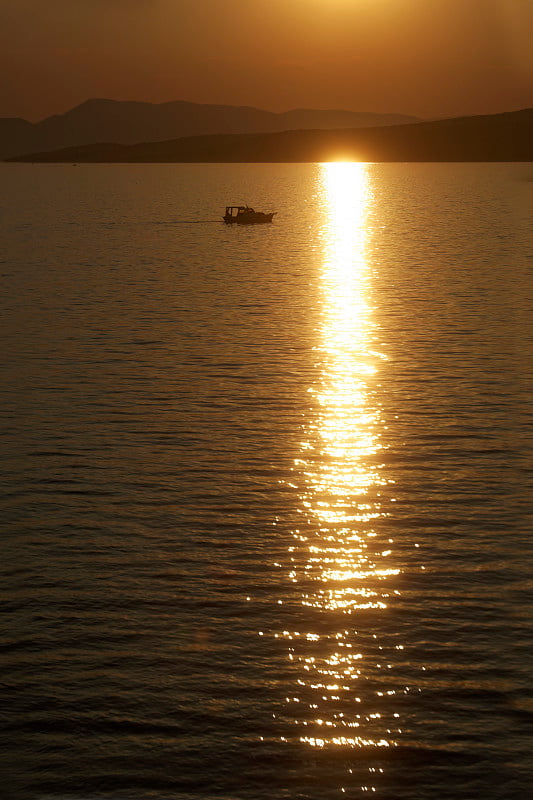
(266, 490)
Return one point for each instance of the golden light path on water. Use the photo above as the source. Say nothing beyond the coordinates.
(339, 560)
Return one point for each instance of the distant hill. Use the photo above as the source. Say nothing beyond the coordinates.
(497, 137)
(130, 122)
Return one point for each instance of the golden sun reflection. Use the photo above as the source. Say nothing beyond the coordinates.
(341, 483)
(340, 561)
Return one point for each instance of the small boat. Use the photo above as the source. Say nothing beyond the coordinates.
(244, 215)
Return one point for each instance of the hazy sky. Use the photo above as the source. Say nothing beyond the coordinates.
(426, 57)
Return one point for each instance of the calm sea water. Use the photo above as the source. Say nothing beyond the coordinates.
(266, 490)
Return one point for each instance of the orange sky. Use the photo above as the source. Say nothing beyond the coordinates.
(431, 58)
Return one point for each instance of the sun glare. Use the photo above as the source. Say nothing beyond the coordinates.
(342, 569)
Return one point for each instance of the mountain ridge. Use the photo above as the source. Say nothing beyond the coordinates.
(507, 136)
(131, 122)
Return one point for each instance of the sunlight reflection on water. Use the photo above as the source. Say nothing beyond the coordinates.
(338, 562)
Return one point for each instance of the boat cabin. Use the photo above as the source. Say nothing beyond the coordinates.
(236, 211)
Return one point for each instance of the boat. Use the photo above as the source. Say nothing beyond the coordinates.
(244, 215)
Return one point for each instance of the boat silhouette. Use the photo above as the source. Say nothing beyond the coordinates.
(244, 215)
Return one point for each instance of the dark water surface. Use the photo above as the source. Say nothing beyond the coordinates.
(266, 490)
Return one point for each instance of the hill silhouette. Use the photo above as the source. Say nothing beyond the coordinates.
(495, 137)
(127, 122)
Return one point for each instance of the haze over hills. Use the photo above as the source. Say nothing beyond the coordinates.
(496, 137)
(126, 122)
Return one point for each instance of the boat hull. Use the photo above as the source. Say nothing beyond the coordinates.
(254, 218)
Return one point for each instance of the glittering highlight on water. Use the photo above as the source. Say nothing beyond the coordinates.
(339, 562)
